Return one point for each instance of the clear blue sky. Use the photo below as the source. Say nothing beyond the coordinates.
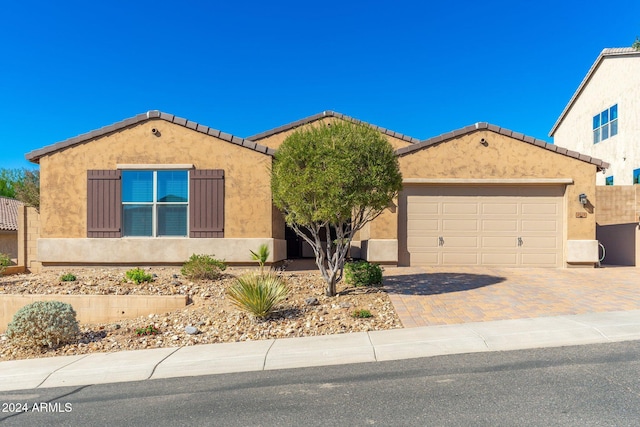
(417, 67)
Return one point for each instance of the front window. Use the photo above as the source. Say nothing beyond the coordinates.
(636, 176)
(608, 180)
(155, 203)
(605, 124)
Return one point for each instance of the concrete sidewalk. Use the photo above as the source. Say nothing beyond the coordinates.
(359, 347)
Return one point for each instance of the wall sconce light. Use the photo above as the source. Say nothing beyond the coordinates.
(484, 142)
(582, 198)
(155, 131)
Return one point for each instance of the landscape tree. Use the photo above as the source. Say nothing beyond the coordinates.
(21, 184)
(329, 181)
(636, 44)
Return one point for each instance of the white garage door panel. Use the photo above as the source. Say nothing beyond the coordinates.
(493, 225)
(499, 242)
(460, 224)
(507, 225)
(505, 258)
(460, 242)
(500, 208)
(460, 208)
(456, 258)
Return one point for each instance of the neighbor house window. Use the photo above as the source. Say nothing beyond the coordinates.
(155, 203)
(608, 180)
(636, 176)
(605, 124)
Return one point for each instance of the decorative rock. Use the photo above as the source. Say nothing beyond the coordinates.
(191, 330)
(175, 338)
(311, 301)
(345, 305)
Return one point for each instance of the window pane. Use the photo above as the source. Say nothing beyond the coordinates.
(614, 112)
(172, 220)
(137, 186)
(614, 127)
(137, 220)
(604, 134)
(636, 176)
(596, 121)
(604, 117)
(596, 136)
(609, 180)
(172, 186)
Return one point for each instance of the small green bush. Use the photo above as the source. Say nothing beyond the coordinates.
(43, 324)
(258, 294)
(362, 314)
(149, 330)
(4, 262)
(203, 267)
(69, 277)
(138, 275)
(362, 273)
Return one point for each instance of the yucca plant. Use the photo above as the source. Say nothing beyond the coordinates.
(261, 256)
(258, 294)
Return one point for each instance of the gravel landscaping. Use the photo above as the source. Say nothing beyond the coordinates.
(209, 318)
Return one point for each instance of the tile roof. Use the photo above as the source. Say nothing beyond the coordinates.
(324, 114)
(483, 125)
(34, 156)
(9, 214)
(606, 53)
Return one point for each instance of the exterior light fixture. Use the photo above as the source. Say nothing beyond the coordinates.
(582, 198)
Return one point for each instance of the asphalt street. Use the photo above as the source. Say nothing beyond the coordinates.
(585, 385)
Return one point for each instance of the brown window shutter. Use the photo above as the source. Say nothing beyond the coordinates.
(206, 199)
(104, 200)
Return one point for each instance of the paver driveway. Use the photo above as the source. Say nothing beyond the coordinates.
(440, 296)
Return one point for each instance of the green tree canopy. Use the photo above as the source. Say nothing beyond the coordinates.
(329, 181)
(21, 184)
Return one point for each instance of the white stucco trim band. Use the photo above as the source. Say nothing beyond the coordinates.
(490, 181)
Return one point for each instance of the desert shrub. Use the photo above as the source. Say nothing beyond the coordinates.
(362, 314)
(69, 277)
(4, 262)
(362, 273)
(203, 267)
(258, 294)
(149, 330)
(43, 324)
(138, 276)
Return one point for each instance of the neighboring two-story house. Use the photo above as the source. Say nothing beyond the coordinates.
(602, 118)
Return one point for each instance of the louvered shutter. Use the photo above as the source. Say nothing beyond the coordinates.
(104, 203)
(206, 200)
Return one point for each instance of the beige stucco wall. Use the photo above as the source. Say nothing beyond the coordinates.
(63, 176)
(504, 158)
(615, 81)
(9, 244)
(274, 141)
(28, 235)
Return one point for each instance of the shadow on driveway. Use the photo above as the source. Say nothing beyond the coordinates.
(438, 283)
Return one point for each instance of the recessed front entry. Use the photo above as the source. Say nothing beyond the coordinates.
(509, 226)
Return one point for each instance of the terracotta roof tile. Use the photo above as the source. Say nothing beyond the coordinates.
(322, 115)
(34, 156)
(493, 128)
(9, 214)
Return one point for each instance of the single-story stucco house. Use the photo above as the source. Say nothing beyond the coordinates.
(157, 188)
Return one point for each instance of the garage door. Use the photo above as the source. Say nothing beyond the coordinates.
(506, 226)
